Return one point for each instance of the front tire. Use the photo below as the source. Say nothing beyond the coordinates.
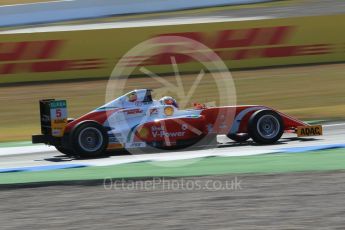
(265, 127)
(89, 139)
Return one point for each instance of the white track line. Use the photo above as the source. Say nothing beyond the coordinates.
(332, 125)
(7, 151)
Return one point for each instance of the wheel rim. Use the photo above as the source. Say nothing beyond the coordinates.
(268, 126)
(90, 139)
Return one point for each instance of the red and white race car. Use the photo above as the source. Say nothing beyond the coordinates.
(135, 120)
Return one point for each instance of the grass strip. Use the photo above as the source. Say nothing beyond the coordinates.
(272, 163)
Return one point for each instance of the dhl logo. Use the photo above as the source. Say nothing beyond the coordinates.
(234, 44)
(39, 56)
(238, 44)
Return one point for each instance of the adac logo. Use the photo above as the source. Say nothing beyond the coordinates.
(315, 130)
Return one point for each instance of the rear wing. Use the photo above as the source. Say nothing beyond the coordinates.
(53, 116)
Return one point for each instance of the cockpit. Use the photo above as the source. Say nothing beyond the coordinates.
(136, 97)
(139, 95)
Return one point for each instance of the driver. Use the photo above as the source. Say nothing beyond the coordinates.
(132, 97)
(168, 101)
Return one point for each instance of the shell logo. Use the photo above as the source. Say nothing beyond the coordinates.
(169, 110)
(143, 132)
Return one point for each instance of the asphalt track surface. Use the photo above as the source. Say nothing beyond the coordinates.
(333, 134)
(280, 201)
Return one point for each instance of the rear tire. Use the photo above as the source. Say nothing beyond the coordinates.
(89, 139)
(265, 127)
(65, 151)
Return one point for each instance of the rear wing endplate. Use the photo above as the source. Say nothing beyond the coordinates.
(53, 116)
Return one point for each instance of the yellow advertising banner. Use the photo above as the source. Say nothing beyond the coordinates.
(240, 44)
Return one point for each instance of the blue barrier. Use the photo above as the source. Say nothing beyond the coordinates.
(41, 168)
(48, 12)
(311, 148)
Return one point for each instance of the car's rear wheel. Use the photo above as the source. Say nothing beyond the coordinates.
(63, 150)
(239, 137)
(89, 139)
(265, 127)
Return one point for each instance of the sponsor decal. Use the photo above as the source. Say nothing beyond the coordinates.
(255, 42)
(40, 56)
(156, 128)
(141, 103)
(315, 130)
(168, 134)
(158, 131)
(169, 111)
(58, 114)
(136, 145)
(153, 111)
(235, 44)
(133, 111)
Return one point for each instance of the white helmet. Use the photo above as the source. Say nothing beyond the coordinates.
(166, 100)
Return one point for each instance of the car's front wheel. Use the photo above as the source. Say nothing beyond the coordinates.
(265, 127)
(89, 139)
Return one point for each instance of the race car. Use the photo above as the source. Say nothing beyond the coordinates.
(135, 120)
